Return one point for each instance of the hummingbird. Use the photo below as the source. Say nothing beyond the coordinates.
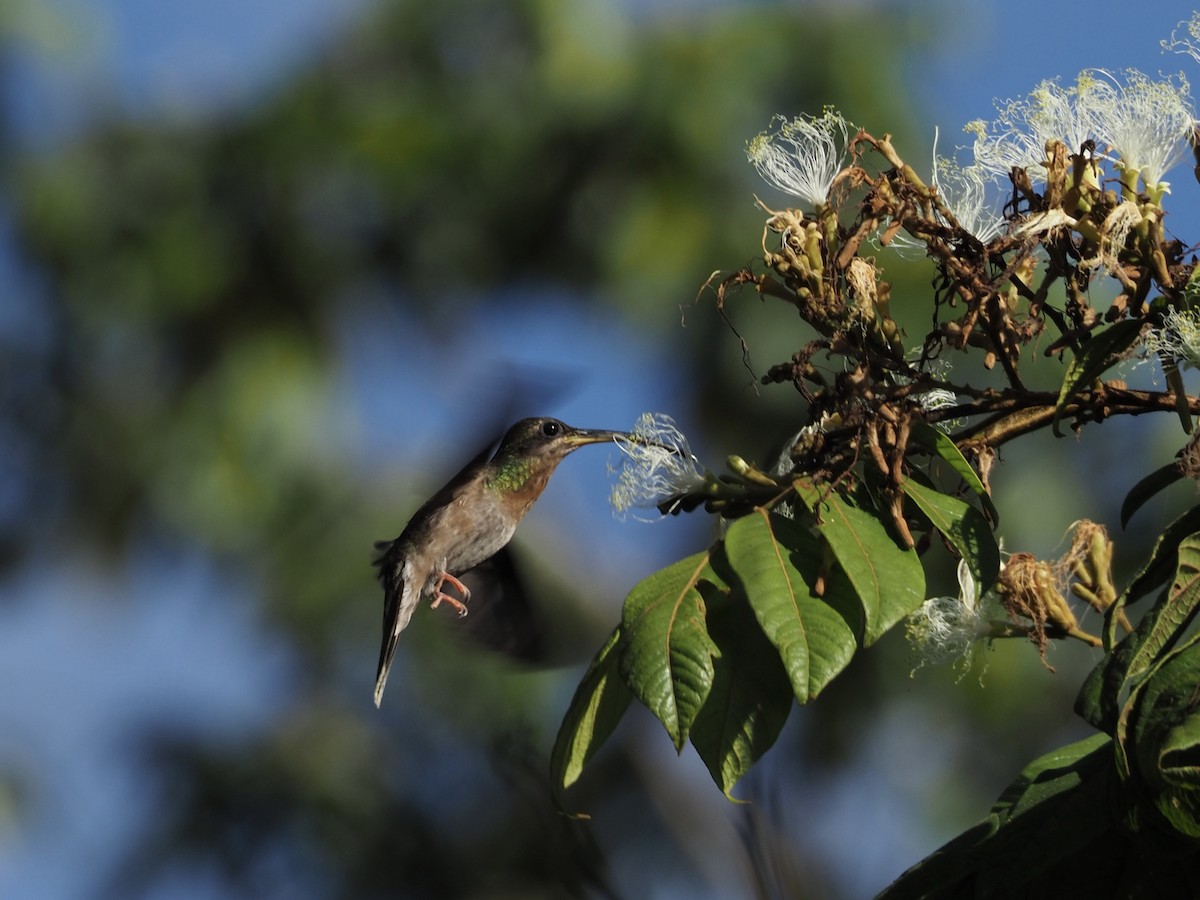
(468, 522)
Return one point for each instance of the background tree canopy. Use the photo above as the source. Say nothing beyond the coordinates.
(244, 339)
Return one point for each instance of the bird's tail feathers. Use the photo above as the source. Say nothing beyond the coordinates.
(397, 612)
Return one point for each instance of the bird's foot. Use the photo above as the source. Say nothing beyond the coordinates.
(460, 606)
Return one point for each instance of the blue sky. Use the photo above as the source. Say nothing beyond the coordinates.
(168, 59)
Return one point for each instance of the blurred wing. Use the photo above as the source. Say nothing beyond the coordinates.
(503, 618)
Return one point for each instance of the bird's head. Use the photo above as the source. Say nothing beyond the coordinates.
(548, 440)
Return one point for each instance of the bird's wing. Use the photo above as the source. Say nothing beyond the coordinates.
(451, 488)
(503, 616)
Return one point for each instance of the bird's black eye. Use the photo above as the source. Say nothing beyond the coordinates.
(550, 429)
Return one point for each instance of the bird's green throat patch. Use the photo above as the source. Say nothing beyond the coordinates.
(511, 475)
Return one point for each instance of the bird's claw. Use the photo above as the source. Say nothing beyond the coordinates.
(460, 606)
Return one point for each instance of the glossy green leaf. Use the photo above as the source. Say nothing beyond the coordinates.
(750, 697)
(940, 443)
(889, 580)
(1156, 481)
(600, 701)
(964, 527)
(778, 562)
(1091, 360)
(668, 657)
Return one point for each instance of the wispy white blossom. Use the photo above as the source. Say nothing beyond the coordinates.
(785, 461)
(1142, 123)
(1178, 338)
(656, 464)
(940, 398)
(1145, 124)
(934, 398)
(1114, 235)
(971, 193)
(1188, 43)
(1023, 128)
(944, 629)
(965, 191)
(802, 156)
(1000, 151)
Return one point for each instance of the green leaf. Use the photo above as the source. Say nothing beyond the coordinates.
(889, 580)
(1059, 830)
(1178, 391)
(1160, 627)
(1163, 746)
(599, 703)
(964, 527)
(1039, 839)
(1163, 560)
(778, 562)
(1090, 361)
(1049, 774)
(667, 661)
(1147, 488)
(1096, 703)
(940, 443)
(1134, 657)
(1179, 754)
(1169, 619)
(750, 697)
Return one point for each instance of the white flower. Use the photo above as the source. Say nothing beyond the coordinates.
(1023, 128)
(784, 462)
(1001, 151)
(940, 398)
(1114, 235)
(803, 156)
(801, 444)
(933, 398)
(965, 193)
(657, 465)
(1178, 338)
(947, 628)
(1146, 124)
(1143, 123)
(971, 193)
(1190, 44)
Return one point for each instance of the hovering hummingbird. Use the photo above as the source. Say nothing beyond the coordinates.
(468, 521)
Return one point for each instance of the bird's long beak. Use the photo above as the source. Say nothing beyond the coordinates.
(580, 436)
